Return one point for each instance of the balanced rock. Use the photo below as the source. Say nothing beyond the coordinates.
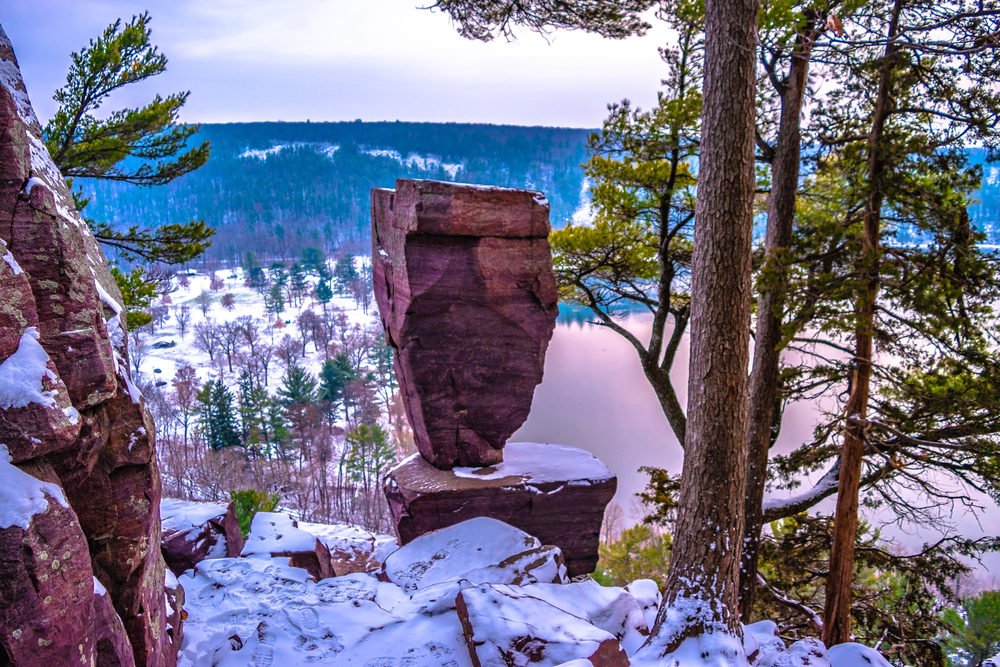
(464, 283)
(553, 492)
(194, 530)
(70, 417)
(504, 625)
(276, 534)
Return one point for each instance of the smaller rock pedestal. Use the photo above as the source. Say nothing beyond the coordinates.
(554, 492)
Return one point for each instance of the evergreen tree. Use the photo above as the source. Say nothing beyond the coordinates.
(298, 387)
(323, 293)
(336, 374)
(974, 630)
(345, 274)
(313, 260)
(144, 146)
(369, 455)
(274, 301)
(297, 280)
(218, 420)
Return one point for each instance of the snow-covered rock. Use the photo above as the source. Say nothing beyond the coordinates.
(276, 534)
(277, 612)
(194, 530)
(608, 608)
(505, 626)
(762, 639)
(352, 549)
(993, 662)
(856, 655)
(481, 550)
(808, 652)
(647, 593)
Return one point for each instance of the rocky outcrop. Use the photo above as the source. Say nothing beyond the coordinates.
(478, 551)
(277, 534)
(553, 492)
(194, 530)
(352, 549)
(69, 417)
(464, 283)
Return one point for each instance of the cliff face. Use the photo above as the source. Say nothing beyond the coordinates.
(81, 575)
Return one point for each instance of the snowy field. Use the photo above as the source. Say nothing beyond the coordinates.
(160, 365)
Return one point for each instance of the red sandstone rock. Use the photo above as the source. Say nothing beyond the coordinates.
(464, 283)
(69, 412)
(554, 492)
(46, 584)
(278, 534)
(194, 530)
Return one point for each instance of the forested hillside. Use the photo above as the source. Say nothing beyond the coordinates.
(278, 187)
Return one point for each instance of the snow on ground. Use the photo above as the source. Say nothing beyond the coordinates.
(185, 515)
(259, 610)
(273, 532)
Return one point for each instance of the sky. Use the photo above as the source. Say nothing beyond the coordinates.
(329, 60)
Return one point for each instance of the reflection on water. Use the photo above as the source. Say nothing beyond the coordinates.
(595, 396)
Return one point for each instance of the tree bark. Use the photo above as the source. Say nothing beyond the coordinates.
(837, 613)
(703, 579)
(763, 411)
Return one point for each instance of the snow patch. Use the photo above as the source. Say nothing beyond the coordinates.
(540, 463)
(21, 375)
(272, 532)
(21, 495)
(99, 588)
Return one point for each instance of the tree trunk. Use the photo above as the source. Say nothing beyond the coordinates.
(703, 579)
(837, 613)
(764, 378)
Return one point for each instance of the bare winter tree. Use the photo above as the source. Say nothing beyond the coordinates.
(183, 315)
(206, 338)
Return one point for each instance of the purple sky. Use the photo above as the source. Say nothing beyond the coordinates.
(246, 60)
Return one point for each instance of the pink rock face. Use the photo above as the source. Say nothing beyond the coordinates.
(464, 283)
(69, 415)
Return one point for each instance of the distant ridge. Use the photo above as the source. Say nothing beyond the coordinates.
(276, 187)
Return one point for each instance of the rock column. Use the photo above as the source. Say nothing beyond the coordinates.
(464, 283)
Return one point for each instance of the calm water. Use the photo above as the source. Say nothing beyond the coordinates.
(595, 396)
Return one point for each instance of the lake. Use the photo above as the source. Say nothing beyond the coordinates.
(595, 396)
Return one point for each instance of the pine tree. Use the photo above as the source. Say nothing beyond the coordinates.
(334, 377)
(144, 146)
(218, 420)
(298, 387)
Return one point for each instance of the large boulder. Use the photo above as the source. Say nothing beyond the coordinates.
(609, 608)
(464, 283)
(70, 416)
(352, 549)
(480, 550)
(505, 625)
(553, 492)
(194, 530)
(276, 534)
